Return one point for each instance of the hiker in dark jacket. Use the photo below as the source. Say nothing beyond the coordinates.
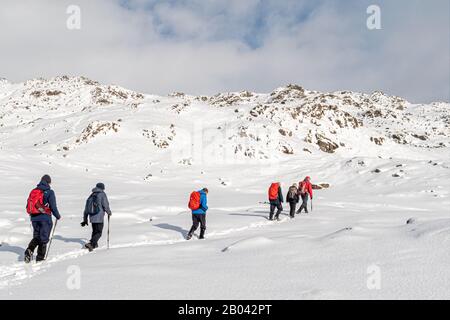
(276, 203)
(42, 223)
(96, 206)
(292, 198)
(199, 216)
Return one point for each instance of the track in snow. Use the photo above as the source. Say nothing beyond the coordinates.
(14, 274)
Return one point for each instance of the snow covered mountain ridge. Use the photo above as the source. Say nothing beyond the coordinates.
(64, 113)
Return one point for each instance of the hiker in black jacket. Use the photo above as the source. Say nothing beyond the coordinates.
(292, 198)
(275, 200)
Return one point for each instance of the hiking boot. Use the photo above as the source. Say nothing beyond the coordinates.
(89, 246)
(189, 236)
(28, 256)
(202, 234)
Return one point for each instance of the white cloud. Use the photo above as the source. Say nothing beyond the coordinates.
(203, 47)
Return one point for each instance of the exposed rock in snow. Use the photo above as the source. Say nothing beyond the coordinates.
(251, 125)
(97, 128)
(320, 186)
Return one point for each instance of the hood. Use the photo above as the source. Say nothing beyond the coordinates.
(43, 185)
(97, 190)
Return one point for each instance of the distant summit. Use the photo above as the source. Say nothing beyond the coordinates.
(66, 113)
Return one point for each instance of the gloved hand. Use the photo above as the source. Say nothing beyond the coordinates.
(84, 224)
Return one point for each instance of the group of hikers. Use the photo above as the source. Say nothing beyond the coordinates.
(303, 192)
(41, 206)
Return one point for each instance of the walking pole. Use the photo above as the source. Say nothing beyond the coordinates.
(107, 242)
(311, 206)
(51, 238)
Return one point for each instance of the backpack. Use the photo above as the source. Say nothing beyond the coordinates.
(303, 187)
(292, 192)
(273, 191)
(92, 206)
(194, 200)
(35, 203)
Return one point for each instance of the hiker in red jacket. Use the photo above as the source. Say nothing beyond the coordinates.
(305, 189)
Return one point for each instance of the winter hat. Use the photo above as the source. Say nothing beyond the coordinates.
(100, 186)
(46, 178)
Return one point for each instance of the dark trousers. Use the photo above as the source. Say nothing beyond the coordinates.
(279, 208)
(304, 203)
(97, 229)
(198, 219)
(292, 206)
(41, 235)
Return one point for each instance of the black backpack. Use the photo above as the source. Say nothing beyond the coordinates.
(92, 206)
(292, 193)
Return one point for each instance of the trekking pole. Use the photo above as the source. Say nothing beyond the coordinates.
(107, 241)
(51, 238)
(311, 206)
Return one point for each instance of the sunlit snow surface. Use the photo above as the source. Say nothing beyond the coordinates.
(151, 152)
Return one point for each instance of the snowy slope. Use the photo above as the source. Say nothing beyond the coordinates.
(386, 160)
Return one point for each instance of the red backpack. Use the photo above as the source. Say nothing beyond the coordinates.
(303, 187)
(273, 191)
(35, 203)
(194, 200)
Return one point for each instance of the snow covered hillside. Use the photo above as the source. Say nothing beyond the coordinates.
(385, 163)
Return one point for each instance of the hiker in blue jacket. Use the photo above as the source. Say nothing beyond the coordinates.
(199, 215)
(42, 223)
(96, 206)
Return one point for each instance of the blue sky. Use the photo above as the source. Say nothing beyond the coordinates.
(248, 22)
(210, 46)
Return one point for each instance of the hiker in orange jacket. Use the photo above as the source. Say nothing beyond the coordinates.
(305, 190)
